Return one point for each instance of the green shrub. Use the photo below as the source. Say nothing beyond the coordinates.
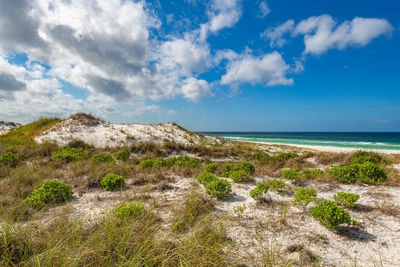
(247, 167)
(291, 174)
(346, 199)
(261, 156)
(259, 191)
(150, 163)
(227, 168)
(129, 210)
(122, 155)
(370, 173)
(205, 178)
(182, 161)
(51, 192)
(70, 154)
(360, 157)
(218, 188)
(102, 158)
(344, 174)
(276, 185)
(330, 215)
(283, 157)
(211, 167)
(312, 174)
(239, 176)
(112, 181)
(304, 196)
(9, 159)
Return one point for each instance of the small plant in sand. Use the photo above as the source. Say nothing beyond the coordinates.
(227, 168)
(346, 199)
(51, 192)
(102, 158)
(261, 156)
(304, 196)
(312, 174)
(9, 159)
(239, 176)
(276, 185)
(330, 215)
(283, 157)
(247, 167)
(70, 154)
(211, 168)
(218, 188)
(129, 210)
(205, 178)
(370, 173)
(291, 174)
(150, 163)
(240, 209)
(112, 181)
(182, 161)
(259, 191)
(122, 155)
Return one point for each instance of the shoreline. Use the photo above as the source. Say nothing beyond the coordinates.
(330, 148)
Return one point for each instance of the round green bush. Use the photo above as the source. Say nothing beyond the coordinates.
(259, 191)
(102, 158)
(150, 163)
(304, 196)
(312, 174)
(360, 157)
(9, 159)
(276, 185)
(330, 215)
(218, 188)
(51, 192)
(129, 210)
(291, 174)
(346, 199)
(247, 167)
(370, 173)
(211, 167)
(205, 178)
(239, 176)
(344, 174)
(122, 155)
(70, 154)
(112, 181)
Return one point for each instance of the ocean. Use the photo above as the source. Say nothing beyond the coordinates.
(386, 140)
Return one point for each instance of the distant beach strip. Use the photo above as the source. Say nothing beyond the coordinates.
(327, 141)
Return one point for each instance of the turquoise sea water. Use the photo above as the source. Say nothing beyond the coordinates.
(390, 141)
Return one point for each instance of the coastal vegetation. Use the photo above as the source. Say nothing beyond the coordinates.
(171, 204)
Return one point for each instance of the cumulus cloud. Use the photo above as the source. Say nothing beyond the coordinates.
(322, 33)
(195, 89)
(269, 69)
(263, 9)
(276, 35)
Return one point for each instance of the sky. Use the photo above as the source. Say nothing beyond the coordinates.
(218, 65)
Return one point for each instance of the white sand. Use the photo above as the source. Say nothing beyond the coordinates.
(6, 126)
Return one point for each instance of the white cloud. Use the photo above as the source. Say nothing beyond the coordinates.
(269, 69)
(263, 9)
(322, 33)
(195, 89)
(275, 35)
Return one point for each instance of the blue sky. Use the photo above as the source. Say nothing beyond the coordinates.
(220, 65)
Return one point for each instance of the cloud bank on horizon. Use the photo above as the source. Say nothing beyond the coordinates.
(126, 58)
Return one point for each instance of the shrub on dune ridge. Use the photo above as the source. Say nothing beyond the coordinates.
(211, 168)
(360, 157)
(247, 167)
(330, 215)
(129, 210)
(70, 154)
(112, 181)
(218, 188)
(346, 199)
(291, 174)
(239, 176)
(9, 159)
(51, 192)
(102, 158)
(122, 155)
(205, 178)
(367, 172)
(312, 174)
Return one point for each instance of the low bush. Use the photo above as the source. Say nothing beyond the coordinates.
(283, 157)
(259, 191)
(211, 167)
(360, 157)
(346, 199)
(218, 188)
(344, 174)
(227, 168)
(112, 181)
(247, 167)
(370, 173)
(330, 215)
(51, 192)
(70, 154)
(312, 174)
(102, 158)
(129, 210)
(304, 196)
(9, 159)
(150, 163)
(205, 178)
(291, 174)
(239, 176)
(276, 185)
(261, 156)
(182, 161)
(122, 155)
